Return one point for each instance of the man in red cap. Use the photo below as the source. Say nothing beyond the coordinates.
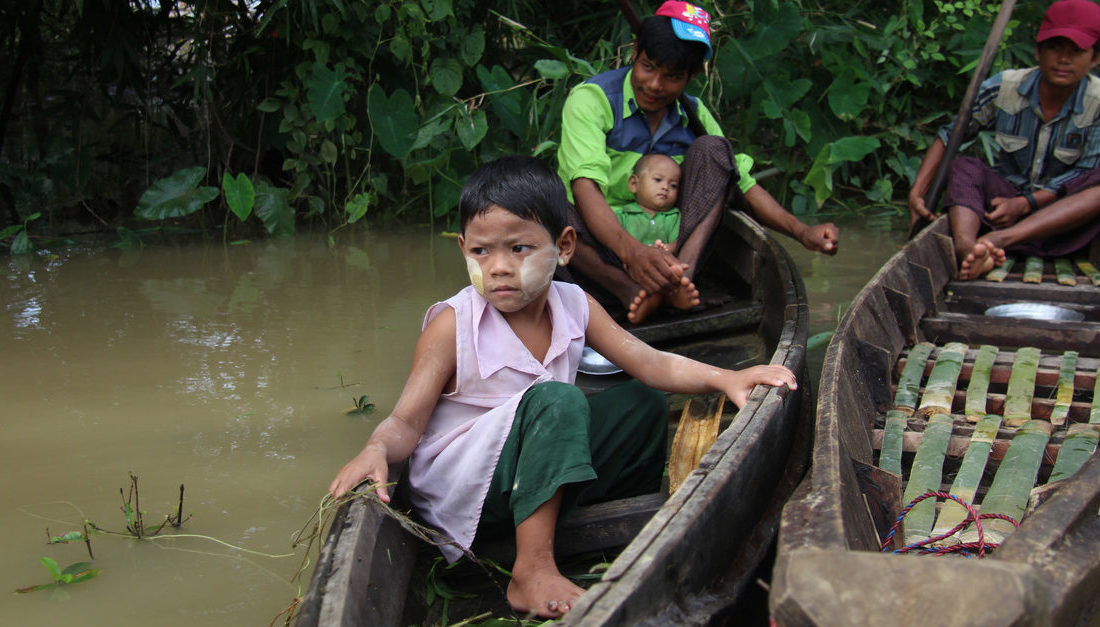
(610, 121)
(1047, 124)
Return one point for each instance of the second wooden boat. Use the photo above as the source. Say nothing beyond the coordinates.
(940, 427)
(686, 554)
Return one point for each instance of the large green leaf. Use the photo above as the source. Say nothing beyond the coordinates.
(846, 149)
(326, 92)
(446, 73)
(393, 120)
(848, 95)
(239, 194)
(473, 46)
(176, 196)
(471, 129)
(437, 9)
(273, 208)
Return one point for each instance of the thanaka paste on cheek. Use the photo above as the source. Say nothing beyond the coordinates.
(474, 270)
(537, 271)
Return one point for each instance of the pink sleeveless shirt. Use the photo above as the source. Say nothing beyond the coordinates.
(453, 464)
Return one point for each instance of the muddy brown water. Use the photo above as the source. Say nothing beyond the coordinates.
(228, 369)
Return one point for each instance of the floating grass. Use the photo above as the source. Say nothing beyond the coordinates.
(1063, 269)
(970, 474)
(1033, 270)
(1016, 477)
(1064, 397)
(1021, 387)
(1088, 270)
(889, 457)
(925, 475)
(939, 390)
(911, 375)
(1094, 412)
(977, 390)
(999, 273)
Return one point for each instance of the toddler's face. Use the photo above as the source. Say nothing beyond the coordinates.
(511, 261)
(657, 186)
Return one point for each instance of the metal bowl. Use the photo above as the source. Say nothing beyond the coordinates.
(1035, 311)
(595, 363)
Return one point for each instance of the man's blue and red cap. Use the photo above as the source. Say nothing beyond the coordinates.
(689, 22)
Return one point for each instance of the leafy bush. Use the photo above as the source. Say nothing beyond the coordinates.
(333, 112)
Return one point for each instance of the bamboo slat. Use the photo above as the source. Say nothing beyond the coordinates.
(969, 476)
(1089, 270)
(999, 273)
(939, 390)
(926, 474)
(978, 387)
(1064, 397)
(1033, 270)
(1063, 269)
(1094, 413)
(1015, 478)
(1081, 440)
(909, 380)
(1021, 387)
(1079, 445)
(893, 434)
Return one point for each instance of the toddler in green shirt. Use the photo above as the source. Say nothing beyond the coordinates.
(653, 216)
(654, 220)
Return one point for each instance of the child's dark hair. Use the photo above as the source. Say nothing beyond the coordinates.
(525, 186)
(657, 40)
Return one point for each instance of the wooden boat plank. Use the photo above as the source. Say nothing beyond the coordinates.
(1014, 292)
(1059, 540)
(974, 329)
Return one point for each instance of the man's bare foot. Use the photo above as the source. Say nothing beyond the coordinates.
(543, 591)
(980, 260)
(643, 305)
(686, 297)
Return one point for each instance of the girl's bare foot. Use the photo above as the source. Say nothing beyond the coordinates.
(980, 260)
(643, 305)
(542, 590)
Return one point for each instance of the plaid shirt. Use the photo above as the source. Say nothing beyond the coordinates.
(1037, 154)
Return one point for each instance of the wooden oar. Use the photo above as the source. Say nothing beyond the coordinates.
(697, 431)
(962, 120)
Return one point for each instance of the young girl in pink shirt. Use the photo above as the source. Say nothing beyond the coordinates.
(494, 431)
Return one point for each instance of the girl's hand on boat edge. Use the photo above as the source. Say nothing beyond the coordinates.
(742, 381)
(369, 464)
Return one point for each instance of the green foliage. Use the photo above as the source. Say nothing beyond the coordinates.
(74, 573)
(176, 196)
(332, 112)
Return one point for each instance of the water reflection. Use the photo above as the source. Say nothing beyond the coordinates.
(226, 369)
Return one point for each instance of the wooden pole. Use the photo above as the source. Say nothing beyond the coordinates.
(962, 120)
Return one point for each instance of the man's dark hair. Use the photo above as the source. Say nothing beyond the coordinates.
(657, 40)
(525, 186)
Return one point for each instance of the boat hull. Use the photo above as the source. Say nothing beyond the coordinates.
(828, 569)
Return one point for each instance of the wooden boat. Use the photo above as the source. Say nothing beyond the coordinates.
(1015, 396)
(710, 535)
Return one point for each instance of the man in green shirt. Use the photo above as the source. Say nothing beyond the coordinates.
(611, 120)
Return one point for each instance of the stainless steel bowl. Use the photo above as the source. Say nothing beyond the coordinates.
(1035, 311)
(595, 363)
